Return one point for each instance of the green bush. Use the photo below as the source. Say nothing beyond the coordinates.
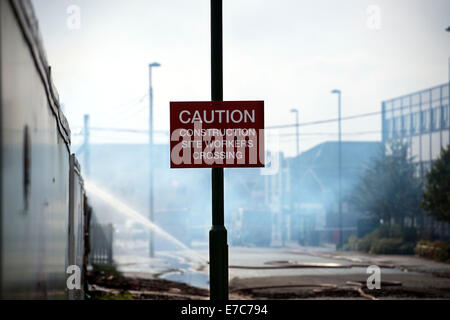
(385, 245)
(385, 240)
(437, 250)
(442, 254)
(352, 243)
(425, 249)
(365, 243)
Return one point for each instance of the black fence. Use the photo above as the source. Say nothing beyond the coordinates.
(101, 243)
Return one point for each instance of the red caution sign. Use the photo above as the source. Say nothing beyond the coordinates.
(217, 134)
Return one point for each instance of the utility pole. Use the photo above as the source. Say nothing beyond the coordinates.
(296, 130)
(218, 247)
(340, 243)
(86, 155)
(150, 158)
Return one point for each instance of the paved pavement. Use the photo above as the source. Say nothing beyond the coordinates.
(303, 272)
(324, 273)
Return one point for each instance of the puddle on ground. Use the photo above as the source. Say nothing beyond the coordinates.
(166, 266)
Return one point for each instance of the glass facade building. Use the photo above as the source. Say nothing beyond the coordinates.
(420, 119)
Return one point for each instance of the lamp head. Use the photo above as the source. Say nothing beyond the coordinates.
(294, 110)
(154, 64)
(336, 91)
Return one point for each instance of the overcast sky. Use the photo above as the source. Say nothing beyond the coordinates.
(289, 53)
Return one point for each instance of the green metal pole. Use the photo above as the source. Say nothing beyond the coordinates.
(218, 247)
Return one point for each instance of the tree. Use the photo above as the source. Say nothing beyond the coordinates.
(389, 190)
(436, 198)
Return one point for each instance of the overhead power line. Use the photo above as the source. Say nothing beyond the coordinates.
(283, 126)
(355, 116)
(357, 133)
(283, 135)
(304, 124)
(123, 130)
(126, 112)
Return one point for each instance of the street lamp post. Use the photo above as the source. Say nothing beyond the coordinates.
(150, 156)
(448, 30)
(297, 139)
(296, 130)
(340, 242)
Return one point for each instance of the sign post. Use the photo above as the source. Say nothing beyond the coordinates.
(218, 246)
(217, 134)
